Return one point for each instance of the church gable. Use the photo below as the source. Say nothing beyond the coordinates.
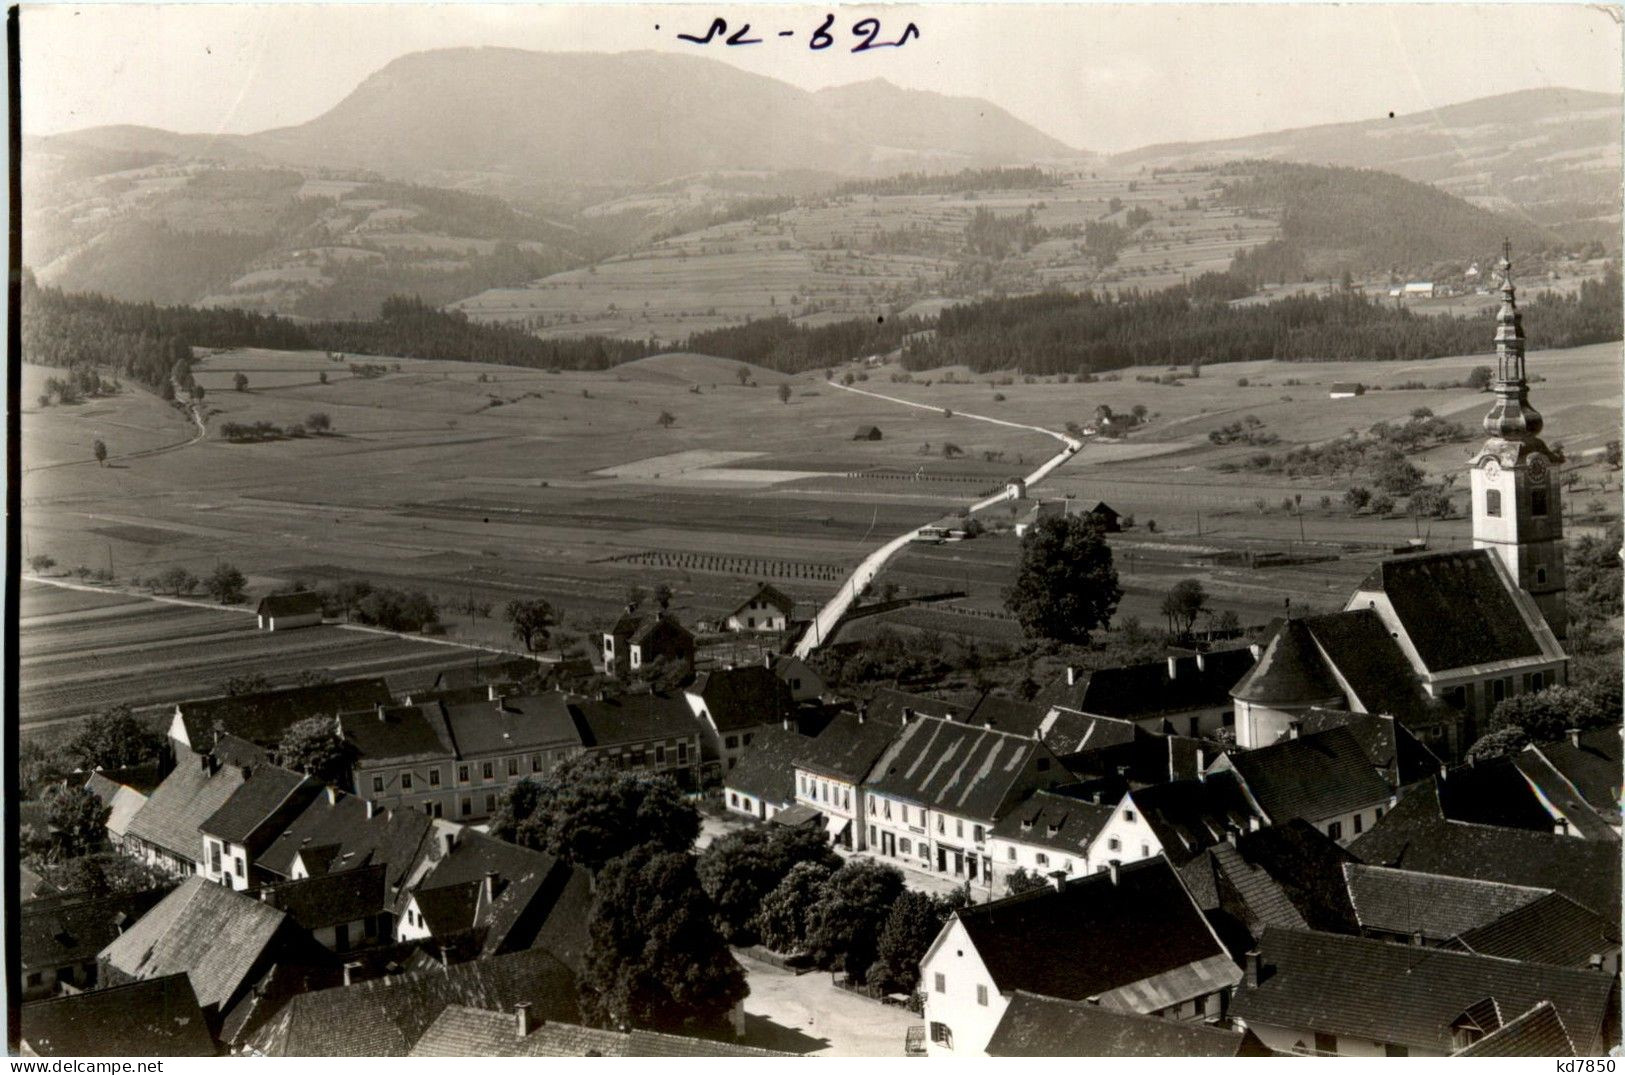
(1455, 609)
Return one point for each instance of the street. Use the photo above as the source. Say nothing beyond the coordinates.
(807, 1014)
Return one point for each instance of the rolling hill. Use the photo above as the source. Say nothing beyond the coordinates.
(1552, 153)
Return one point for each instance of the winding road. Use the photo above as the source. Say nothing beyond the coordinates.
(862, 575)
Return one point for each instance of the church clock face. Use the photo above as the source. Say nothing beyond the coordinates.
(1538, 470)
(1492, 470)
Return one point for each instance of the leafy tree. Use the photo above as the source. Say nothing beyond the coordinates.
(1612, 454)
(1065, 584)
(177, 580)
(663, 595)
(1357, 497)
(588, 813)
(245, 683)
(113, 739)
(315, 747)
(843, 927)
(239, 381)
(531, 620)
(784, 393)
(743, 373)
(1139, 411)
(76, 818)
(1022, 881)
(1502, 743)
(1431, 501)
(1479, 377)
(654, 957)
(321, 377)
(666, 420)
(782, 921)
(38, 766)
(1547, 715)
(1395, 474)
(318, 421)
(226, 584)
(1381, 504)
(99, 450)
(912, 924)
(39, 563)
(741, 869)
(1182, 604)
(104, 873)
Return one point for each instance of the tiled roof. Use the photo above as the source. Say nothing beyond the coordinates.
(514, 724)
(1067, 731)
(633, 718)
(1313, 776)
(1006, 714)
(537, 899)
(1141, 691)
(772, 595)
(1142, 927)
(1551, 929)
(895, 707)
(654, 1043)
(1537, 1032)
(1190, 815)
(767, 770)
(1593, 767)
(466, 1031)
(289, 604)
(207, 931)
(347, 896)
(399, 733)
(262, 717)
(1415, 835)
(258, 811)
(1376, 670)
(1536, 766)
(122, 802)
(971, 772)
(338, 826)
(1285, 875)
(1404, 994)
(177, 808)
(1454, 607)
(1044, 1026)
(1494, 792)
(1386, 742)
(1437, 907)
(1290, 671)
(387, 1016)
(158, 1017)
(1046, 819)
(849, 745)
(662, 623)
(739, 698)
(58, 930)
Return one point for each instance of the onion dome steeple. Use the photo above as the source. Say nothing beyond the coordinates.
(1511, 418)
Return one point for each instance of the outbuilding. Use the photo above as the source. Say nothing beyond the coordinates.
(283, 611)
(867, 433)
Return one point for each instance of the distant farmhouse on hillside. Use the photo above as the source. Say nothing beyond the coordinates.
(867, 433)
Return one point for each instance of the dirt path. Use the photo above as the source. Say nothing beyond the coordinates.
(865, 572)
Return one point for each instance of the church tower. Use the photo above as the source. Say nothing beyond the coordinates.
(1517, 507)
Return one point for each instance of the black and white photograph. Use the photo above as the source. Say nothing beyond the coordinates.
(980, 530)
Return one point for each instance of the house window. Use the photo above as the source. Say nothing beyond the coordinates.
(941, 1035)
(1537, 502)
(888, 809)
(406, 781)
(1012, 853)
(942, 826)
(682, 753)
(490, 804)
(488, 770)
(976, 833)
(748, 737)
(981, 995)
(1335, 830)
(959, 828)
(873, 806)
(462, 774)
(1540, 574)
(1325, 1044)
(535, 763)
(513, 766)
(434, 778)
(241, 872)
(1145, 851)
(732, 742)
(660, 755)
(904, 847)
(468, 806)
(733, 799)
(1128, 815)
(214, 857)
(435, 809)
(36, 978)
(1359, 824)
(1492, 502)
(872, 838)
(1114, 844)
(1498, 688)
(1379, 813)
(377, 784)
(939, 982)
(1041, 858)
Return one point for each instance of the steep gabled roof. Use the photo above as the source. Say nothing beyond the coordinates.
(1290, 671)
(1436, 906)
(896, 707)
(387, 1016)
(333, 899)
(1141, 691)
(158, 1017)
(54, 931)
(404, 733)
(510, 725)
(1454, 608)
(1536, 766)
(1389, 745)
(1006, 714)
(1045, 819)
(175, 812)
(1593, 767)
(262, 717)
(207, 931)
(849, 745)
(261, 807)
(1287, 875)
(1407, 995)
(1068, 732)
(1415, 835)
(1493, 792)
(767, 770)
(1188, 816)
(971, 772)
(661, 623)
(1312, 776)
(334, 833)
(772, 595)
(633, 718)
(1537, 1032)
(289, 604)
(1550, 929)
(1044, 1026)
(122, 802)
(1377, 672)
(1097, 938)
(739, 698)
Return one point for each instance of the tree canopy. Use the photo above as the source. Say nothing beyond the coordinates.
(1065, 584)
(843, 927)
(781, 923)
(315, 747)
(912, 924)
(113, 739)
(742, 868)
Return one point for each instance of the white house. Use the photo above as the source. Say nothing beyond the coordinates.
(768, 609)
(1326, 779)
(258, 811)
(830, 770)
(284, 611)
(1046, 834)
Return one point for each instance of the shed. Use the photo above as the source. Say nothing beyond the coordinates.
(1107, 516)
(282, 611)
(1347, 390)
(867, 433)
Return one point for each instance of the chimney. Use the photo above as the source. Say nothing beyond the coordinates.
(1596, 961)
(1094, 797)
(381, 715)
(1574, 737)
(209, 764)
(863, 711)
(1255, 968)
(1230, 835)
(1252, 823)
(1293, 729)
(1113, 868)
(1173, 667)
(521, 1019)
(490, 886)
(1057, 880)
(122, 919)
(1562, 826)
(908, 714)
(372, 809)
(767, 661)
(492, 694)
(1201, 661)
(332, 795)
(349, 972)
(790, 725)
(1416, 938)
(448, 841)
(1201, 764)
(1256, 650)
(1071, 676)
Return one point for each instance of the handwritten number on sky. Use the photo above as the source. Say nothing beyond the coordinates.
(866, 31)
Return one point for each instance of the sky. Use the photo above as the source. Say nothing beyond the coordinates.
(1096, 76)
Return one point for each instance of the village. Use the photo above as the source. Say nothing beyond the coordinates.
(1388, 829)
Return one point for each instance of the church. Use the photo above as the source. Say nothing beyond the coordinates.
(1438, 639)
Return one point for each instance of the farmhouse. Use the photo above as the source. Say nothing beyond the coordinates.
(1577, 776)
(339, 832)
(764, 781)
(1108, 518)
(732, 705)
(342, 911)
(165, 832)
(831, 769)
(256, 813)
(1086, 939)
(123, 802)
(652, 733)
(1048, 833)
(768, 609)
(638, 640)
(282, 611)
(262, 718)
(1178, 819)
(867, 433)
(1410, 907)
(495, 744)
(1187, 695)
(1028, 513)
(1325, 779)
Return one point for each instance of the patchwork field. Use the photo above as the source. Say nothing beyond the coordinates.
(83, 649)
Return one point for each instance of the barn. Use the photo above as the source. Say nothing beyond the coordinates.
(282, 611)
(867, 433)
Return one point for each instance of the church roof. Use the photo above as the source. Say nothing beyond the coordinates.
(1289, 671)
(1455, 607)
